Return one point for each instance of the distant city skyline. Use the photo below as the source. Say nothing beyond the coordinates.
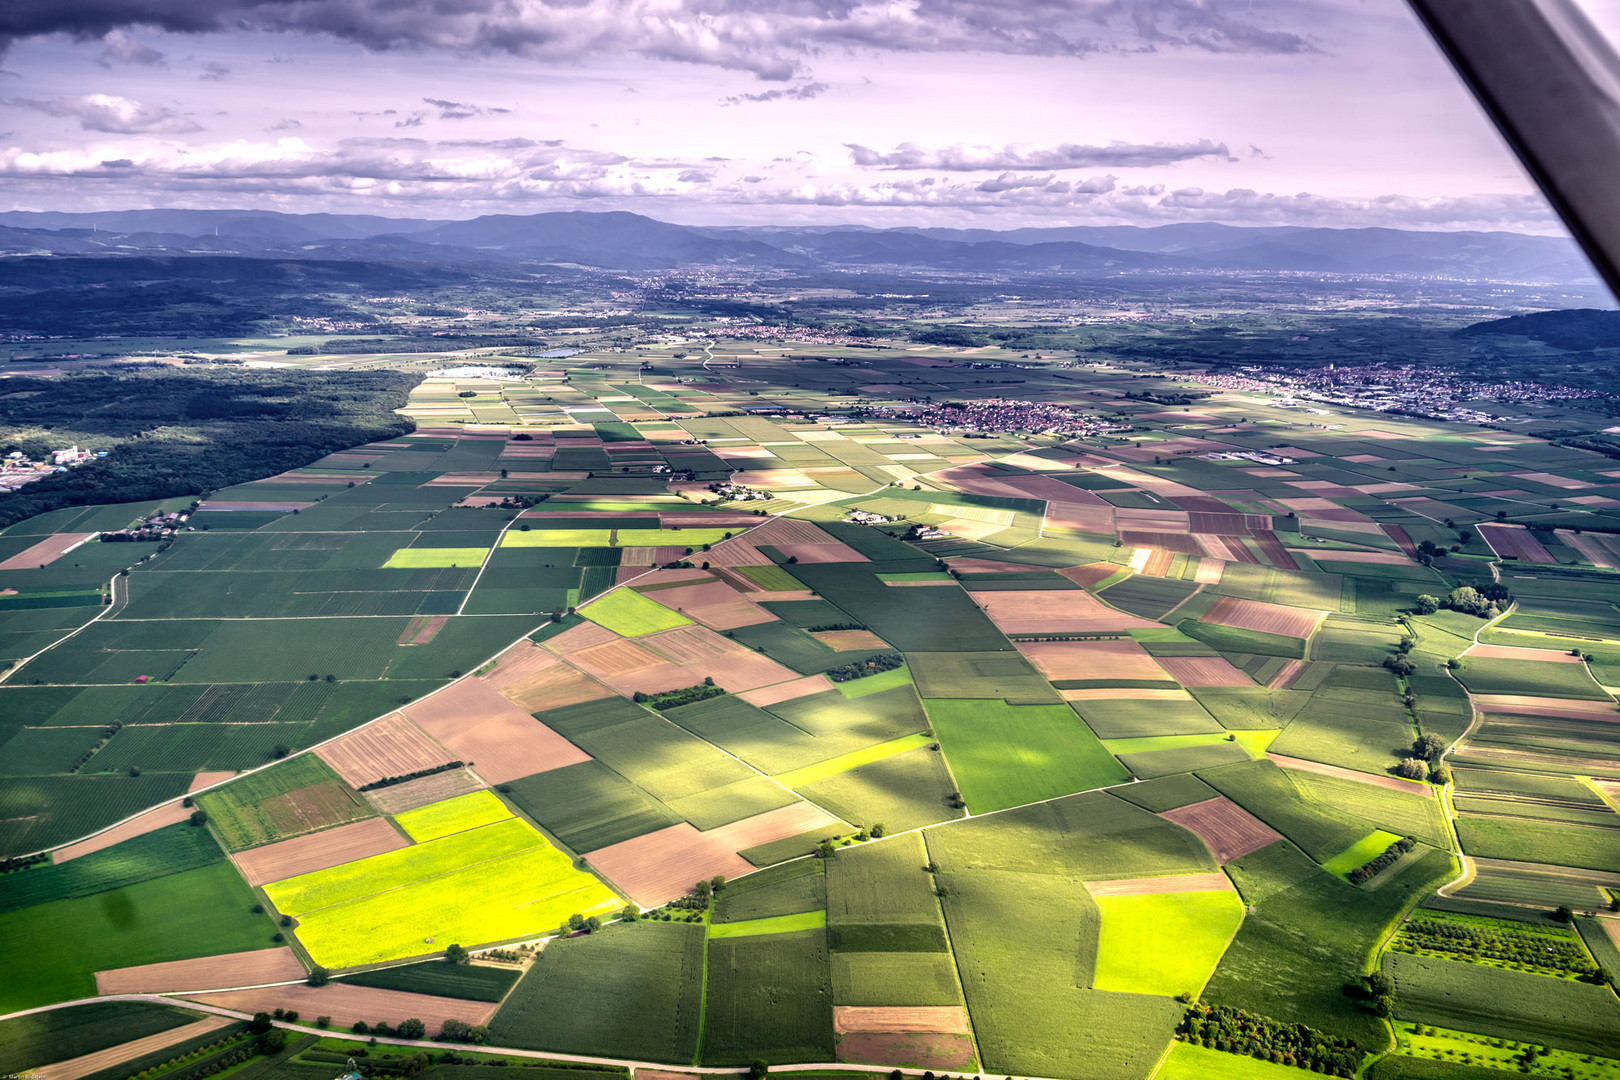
(951, 113)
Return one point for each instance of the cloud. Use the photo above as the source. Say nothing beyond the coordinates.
(118, 47)
(288, 124)
(774, 39)
(802, 92)
(414, 120)
(111, 114)
(213, 71)
(1116, 155)
(461, 110)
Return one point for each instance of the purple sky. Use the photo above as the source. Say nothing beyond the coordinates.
(944, 112)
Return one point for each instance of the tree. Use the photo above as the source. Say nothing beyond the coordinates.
(1563, 914)
(878, 831)
(1379, 983)
(631, 913)
(1413, 769)
(198, 817)
(1400, 665)
(318, 976)
(593, 924)
(826, 849)
(576, 922)
(260, 1023)
(759, 1069)
(456, 953)
(1384, 1005)
(1465, 598)
(454, 1031)
(272, 1041)
(1428, 746)
(1440, 773)
(717, 882)
(412, 1028)
(360, 1027)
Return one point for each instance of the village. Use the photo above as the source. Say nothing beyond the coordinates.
(18, 469)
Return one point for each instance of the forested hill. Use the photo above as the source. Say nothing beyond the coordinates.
(172, 432)
(1578, 329)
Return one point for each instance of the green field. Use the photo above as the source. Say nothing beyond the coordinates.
(894, 978)
(1360, 853)
(1523, 840)
(823, 770)
(770, 996)
(469, 811)
(588, 806)
(905, 791)
(1411, 813)
(627, 612)
(470, 982)
(1445, 1054)
(1535, 678)
(495, 883)
(1165, 943)
(1507, 1004)
(196, 913)
(1268, 793)
(1189, 1062)
(283, 801)
(781, 890)
(422, 558)
(632, 990)
(771, 578)
(775, 924)
(168, 850)
(48, 1037)
(1007, 755)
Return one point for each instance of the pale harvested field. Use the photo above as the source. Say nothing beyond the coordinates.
(1544, 706)
(392, 746)
(1263, 617)
(422, 629)
(1153, 886)
(736, 552)
(1518, 652)
(1384, 558)
(845, 640)
(1153, 520)
(584, 636)
(779, 531)
(1209, 571)
(209, 779)
(945, 1019)
(1591, 547)
(156, 818)
(662, 865)
(1222, 550)
(1124, 693)
(89, 1064)
(1080, 517)
(537, 680)
(1204, 671)
(398, 798)
(969, 564)
(495, 737)
(345, 1004)
(714, 604)
(921, 1049)
(787, 691)
(1122, 659)
(255, 968)
(317, 851)
(1228, 830)
(45, 552)
(1554, 480)
(1286, 674)
(701, 652)
(1053, 611)
(1157, 564)
(1053, 490)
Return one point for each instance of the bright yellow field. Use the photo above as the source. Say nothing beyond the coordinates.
(627, 612)
(521, 895)
(1164, 943)
(433, 558)
(452, 816)
(392, 869)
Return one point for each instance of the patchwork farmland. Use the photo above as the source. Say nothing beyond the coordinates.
(1010, 761)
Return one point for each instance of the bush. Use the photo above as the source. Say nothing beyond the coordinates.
(1413, 769)
(318, 976)
(412, 1028)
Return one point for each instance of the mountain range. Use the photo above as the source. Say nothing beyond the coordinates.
(631, 242)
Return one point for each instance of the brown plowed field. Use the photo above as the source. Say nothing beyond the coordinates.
(1512, 542)
(209, 779)
(779, 531)
(255, 968)
(495, 737)
(1544, 706)
(1088, 575)
(422, 629)
(1592, 549)
(1228, 830)
(1176, 521)
(345, 1004)
(154, 819)
(737, 552)
(1151, 886)
(1393, 783)
(911, 1049)
(398, 798)
(822, 553)
(968, 564)
(701, 652)
(1226, 548)
(662, 865)
(1158, 562)
(946, 1019)
(1124, 693)
(714, 604)
(1122, 659)
(317, 851)
(1079, 517)
(392, 746)
(1264, 617)
(1053, 611)
(536, 680)
(845, 640)
(1209, 571)
(101, 1060)
(1286, 674)
(1204, 671)
(787, 691)
(45, 552)
(1182, 542)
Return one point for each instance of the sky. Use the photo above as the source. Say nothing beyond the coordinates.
(959, 113)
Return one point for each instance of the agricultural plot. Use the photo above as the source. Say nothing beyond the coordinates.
(627, 612)
(27, 1042)
(287, 800)
(770, 996)
(473, 982)
(632, 990)
(1163, 943)
(1007, 755)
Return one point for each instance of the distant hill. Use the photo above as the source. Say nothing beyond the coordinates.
(626, 241)
(1579, 329)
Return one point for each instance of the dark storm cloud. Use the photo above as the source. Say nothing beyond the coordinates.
(771, 38)
(1118, 155)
